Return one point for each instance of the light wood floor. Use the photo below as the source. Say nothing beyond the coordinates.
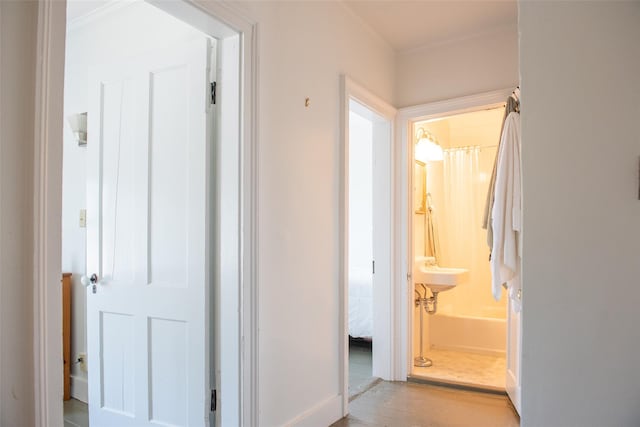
(76, 414)
(401, 404)
(397, 404)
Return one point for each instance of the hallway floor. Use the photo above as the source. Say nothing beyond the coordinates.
(76, 414)
(400, 404)
(360, 366)
(464, 368)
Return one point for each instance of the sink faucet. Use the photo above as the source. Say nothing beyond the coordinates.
(430, 261)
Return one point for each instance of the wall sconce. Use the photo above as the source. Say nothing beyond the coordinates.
(427, 148)
(78, 123)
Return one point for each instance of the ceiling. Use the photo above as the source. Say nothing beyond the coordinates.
(407, 25)
(404, 24)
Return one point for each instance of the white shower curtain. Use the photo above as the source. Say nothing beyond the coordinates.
(461, 235)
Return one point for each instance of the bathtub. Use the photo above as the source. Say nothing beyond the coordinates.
(467, 333)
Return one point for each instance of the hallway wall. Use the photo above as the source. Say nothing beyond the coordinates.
(581, 213)
(18, 22)
(303, 48)
(485, 62)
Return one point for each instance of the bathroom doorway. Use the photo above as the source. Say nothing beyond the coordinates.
(367, 240)
(468, 339)
(463, 334)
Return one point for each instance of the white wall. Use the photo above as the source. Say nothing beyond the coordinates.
(17, 93)
(110, 37)
(303, 48)
(457, 68)
(580, 63)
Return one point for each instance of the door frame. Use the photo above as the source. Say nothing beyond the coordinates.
(406, 118)
(47, 327)
(350, 90)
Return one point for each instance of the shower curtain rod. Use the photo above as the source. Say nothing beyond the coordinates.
(470, 147)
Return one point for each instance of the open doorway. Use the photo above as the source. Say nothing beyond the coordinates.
(449, 198)
(458, 334)
(147, 180)
(361, 241)
(367, 240)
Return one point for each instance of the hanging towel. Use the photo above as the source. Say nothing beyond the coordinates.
(506, 214)
(513, 105)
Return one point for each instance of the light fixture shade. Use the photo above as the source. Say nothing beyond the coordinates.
(428, 151)
(78, 124)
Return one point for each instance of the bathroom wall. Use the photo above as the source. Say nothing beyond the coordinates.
(440, 129)
(112, 36)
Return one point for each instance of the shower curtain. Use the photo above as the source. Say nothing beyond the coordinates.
(462, 239)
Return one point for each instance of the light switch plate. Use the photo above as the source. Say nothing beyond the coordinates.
(83, 218)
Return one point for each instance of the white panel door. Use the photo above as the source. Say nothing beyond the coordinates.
(514, 345)
(382, 211)
(149, 181)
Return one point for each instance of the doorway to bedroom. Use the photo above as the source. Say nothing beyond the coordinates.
(361, 262)
(368, 241)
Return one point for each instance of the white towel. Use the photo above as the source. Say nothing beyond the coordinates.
(507, 214)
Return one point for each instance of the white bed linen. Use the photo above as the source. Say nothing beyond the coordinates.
(360, 304)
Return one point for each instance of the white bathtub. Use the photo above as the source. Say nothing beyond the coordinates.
(478, 334)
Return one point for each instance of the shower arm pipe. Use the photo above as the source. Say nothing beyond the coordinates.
(425, 232)
(429, 230)
(429, 201)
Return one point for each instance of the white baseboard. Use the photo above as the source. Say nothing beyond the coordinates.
(79, 388)
(323, 414)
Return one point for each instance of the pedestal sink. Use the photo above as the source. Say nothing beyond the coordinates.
(438, 279)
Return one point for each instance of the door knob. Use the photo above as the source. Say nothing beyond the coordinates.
(93, 281)
(86, 281)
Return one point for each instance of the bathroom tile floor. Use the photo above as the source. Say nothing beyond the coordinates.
(464, 368)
